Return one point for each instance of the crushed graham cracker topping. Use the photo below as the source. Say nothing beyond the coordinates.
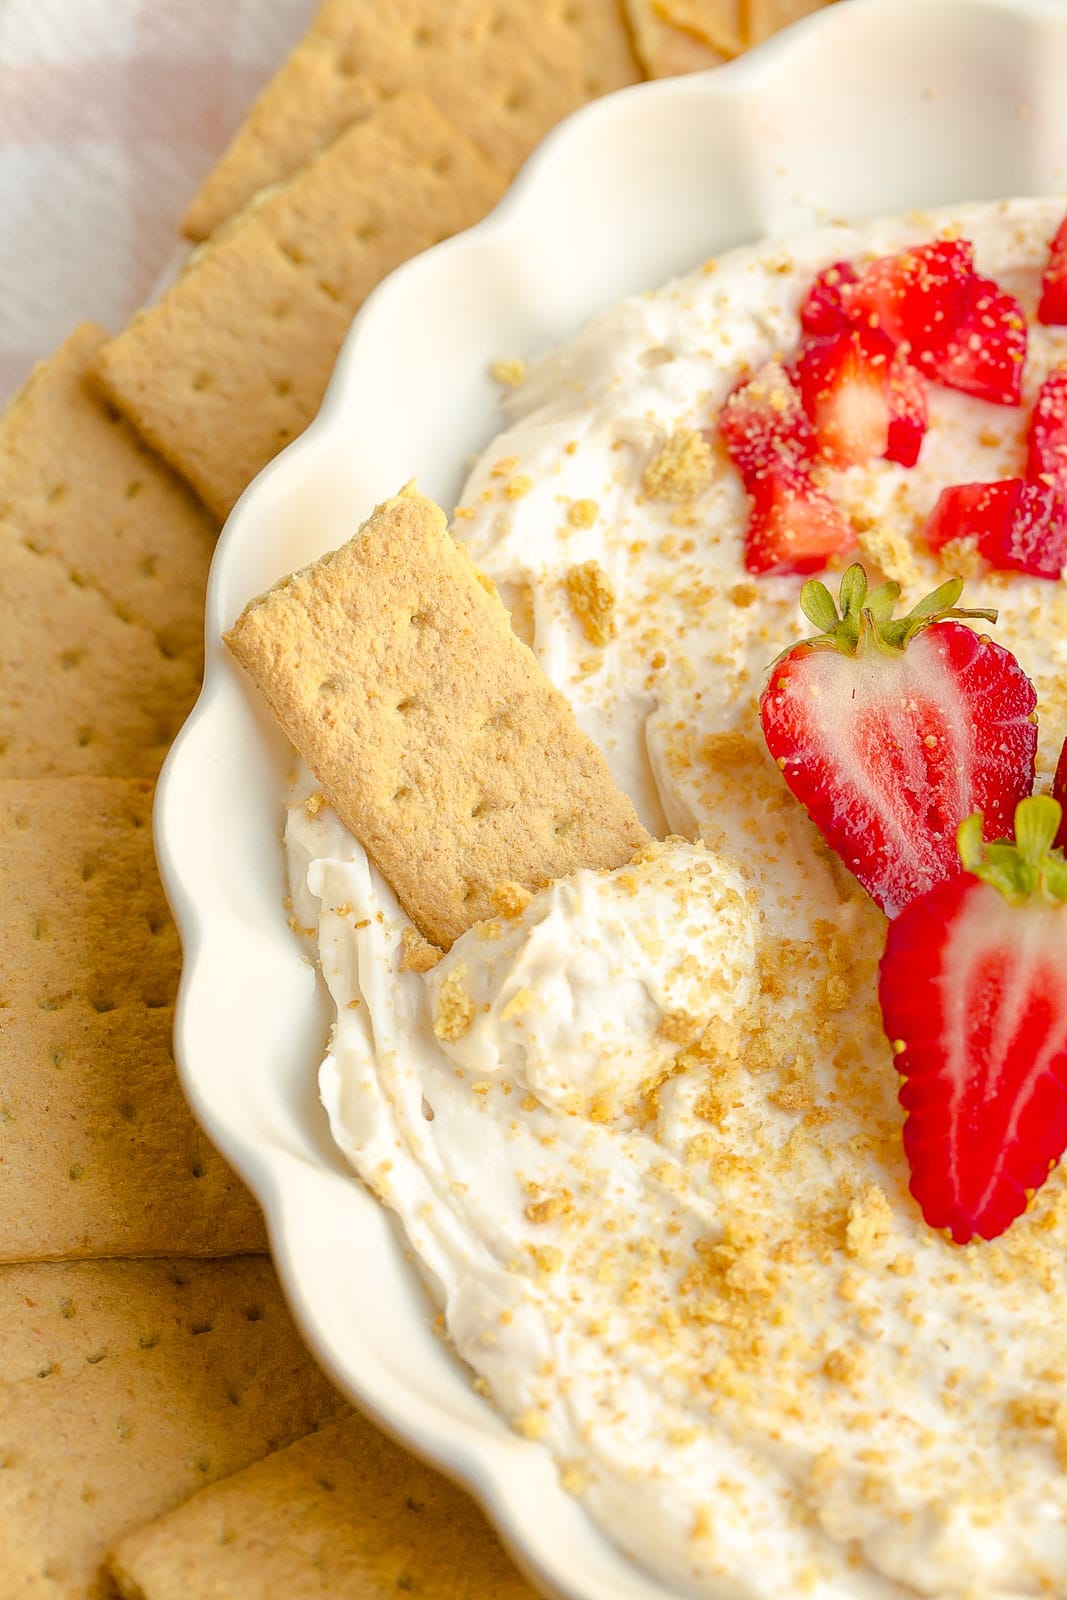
(681, 470)
(593, 601)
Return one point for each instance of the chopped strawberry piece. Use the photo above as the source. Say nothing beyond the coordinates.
(843, 383)
(861, 397)
(918, 297)
(824, 309)
(1034, 539)
(1059, 793)
(973, 989)
(793, 526)
(1047, 458)
(987, 351)
(763, 424)
(907, 412)
(891, 731)
(959, 328)
(1052, 307)
(1016, 526)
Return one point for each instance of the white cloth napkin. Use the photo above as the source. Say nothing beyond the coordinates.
(110, 113)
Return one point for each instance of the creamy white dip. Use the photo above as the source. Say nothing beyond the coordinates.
(643, 1134)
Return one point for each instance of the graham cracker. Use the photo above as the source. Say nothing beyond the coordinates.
(764, 17)
(233, 362)
(99, 1154)
(677, 36)
(503, 71)
(431, 727)
(79, 485)
(103, 562)
(124, 1388)
(84, 692)
(343, 1513)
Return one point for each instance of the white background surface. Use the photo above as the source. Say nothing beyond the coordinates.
(111, 111)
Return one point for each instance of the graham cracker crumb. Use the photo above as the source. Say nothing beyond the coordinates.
(455, 1008)
(314, 803)
(418, 954)
(891, 553)
(844, 1364)
(592, 600)
(509, 900)
(551, 1207)
(582, 513)
(960, 556)
(518, 1005)
(532, 1425)
(870, 1219)
(511, 371)
(682, 469)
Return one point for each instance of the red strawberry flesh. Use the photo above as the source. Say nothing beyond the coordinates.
(1052, 307)
(823, 311)
(843, 384)
(987, 351)
(793, 526)
(907, 412)
(973, 991)
(1059, 793)
(1016, 526)
(1046, 460)
(762, 424)
(918, 297)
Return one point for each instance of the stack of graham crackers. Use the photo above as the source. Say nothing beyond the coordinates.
(162, 1431)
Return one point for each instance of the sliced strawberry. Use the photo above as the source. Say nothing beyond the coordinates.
(861, 397)
(973, 989)
(1016, 526)
(891, 731)
(1052, 307)
(1046, 460)
(918, 297)
(763, 423)
(1059, 793)
(793, 526)
(987, 351)
(824, 309)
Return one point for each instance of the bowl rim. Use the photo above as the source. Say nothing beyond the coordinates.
(505, 1475)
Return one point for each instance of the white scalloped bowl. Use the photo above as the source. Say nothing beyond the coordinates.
(871, 107)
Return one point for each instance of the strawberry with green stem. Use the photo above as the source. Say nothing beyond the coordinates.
(973, 990)
(890, 730)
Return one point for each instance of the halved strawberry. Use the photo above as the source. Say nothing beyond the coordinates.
(973, 990)
(823, 310)
(1046, 460)
(987, 350)
(1052, 307)
(891, 731)
(763, 423)
(1016, 526)
(793, 526)
(1059, 793)
(918, 297)
(861, 397)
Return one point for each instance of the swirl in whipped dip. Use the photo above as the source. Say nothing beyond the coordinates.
(642, 1128)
